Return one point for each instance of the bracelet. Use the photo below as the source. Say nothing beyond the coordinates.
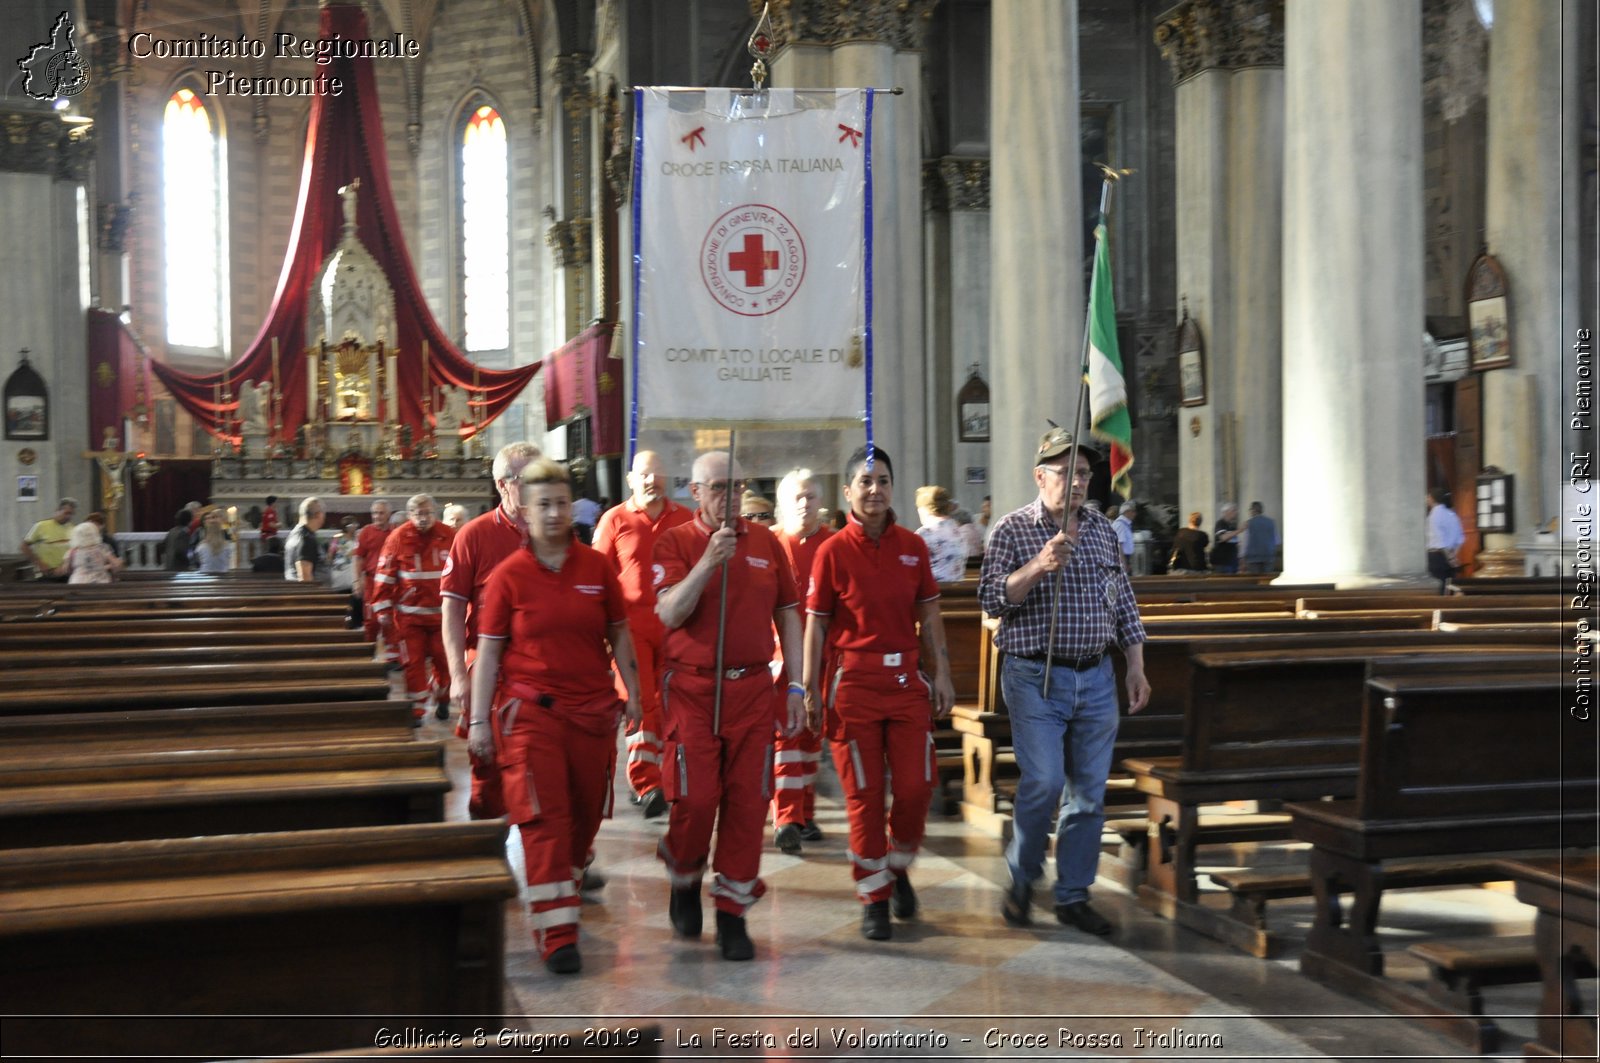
(474, 723)
(797, 688)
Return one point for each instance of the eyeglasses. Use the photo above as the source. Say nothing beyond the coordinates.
(718, 487)
(757, 516)
(1077, 474)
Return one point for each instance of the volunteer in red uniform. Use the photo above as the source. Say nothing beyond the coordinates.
(369, 548)
(476, 551)
(627, 535)
(715, 769)
(795, 760)
(871, 585)
(543, 705)
(269, 523)
(409, 571)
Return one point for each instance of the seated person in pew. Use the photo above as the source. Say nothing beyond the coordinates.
(89, 560)
(543, 705)
(1189, 548)
(1057, 676)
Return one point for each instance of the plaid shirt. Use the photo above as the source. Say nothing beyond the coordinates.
(1097, 606)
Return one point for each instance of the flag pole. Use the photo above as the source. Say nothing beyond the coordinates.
(1106, 182)
(722, 589)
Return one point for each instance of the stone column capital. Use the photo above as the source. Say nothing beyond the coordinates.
(901, 23)
(38, 142)
(571, 73)
(1199, 35)
(569, 239)
(961, 183)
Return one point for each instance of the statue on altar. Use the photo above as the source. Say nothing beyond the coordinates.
(255, 400)
(455, 413)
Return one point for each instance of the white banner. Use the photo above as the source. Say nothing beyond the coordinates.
(748, 236)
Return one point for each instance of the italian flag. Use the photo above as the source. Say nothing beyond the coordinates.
(1108, 392)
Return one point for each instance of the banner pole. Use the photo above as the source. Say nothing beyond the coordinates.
(1072, 455)
(722, 589)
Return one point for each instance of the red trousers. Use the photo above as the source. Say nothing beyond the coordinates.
(644, 738)
(486, 800)
(880, 716)
(717, 780)
(418, 645)
(794, 774)
(370, 625)
(555, 771)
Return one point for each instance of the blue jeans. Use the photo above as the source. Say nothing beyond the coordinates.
(1063, 745)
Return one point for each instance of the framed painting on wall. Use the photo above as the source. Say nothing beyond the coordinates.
(1488, 314)
(1191, 362)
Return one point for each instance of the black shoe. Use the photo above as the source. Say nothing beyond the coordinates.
(564, 960)
(684, 911)
(1016, 910)
(904, 901)
(811, 832)
(788, 839)
(441, 709)
(593, 881)
(653, 803)
(733, 939)
(875, 922)
(1085, 918)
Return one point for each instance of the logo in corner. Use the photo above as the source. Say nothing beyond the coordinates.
(54, 68)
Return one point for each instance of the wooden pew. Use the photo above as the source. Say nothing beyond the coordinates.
(76, 799)
(1455, 772)
(86, 642)
(287, 688)
(1273, 724)
(64, 662)
(244, 945)
(24, 738)
(1565, 891)
(144, 624)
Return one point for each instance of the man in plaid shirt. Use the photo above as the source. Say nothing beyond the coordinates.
(1062, 730)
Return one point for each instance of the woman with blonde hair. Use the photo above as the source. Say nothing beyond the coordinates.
(947, 547)
(544, 708)
(89, 560)
(215, 551)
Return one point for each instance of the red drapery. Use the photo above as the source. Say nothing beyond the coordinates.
(119, 384)
(581, 376)
(345, 142)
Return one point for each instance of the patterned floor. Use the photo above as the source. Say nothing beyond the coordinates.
(956, 983)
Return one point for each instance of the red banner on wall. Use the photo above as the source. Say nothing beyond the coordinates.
(119, 384)
(581, 378)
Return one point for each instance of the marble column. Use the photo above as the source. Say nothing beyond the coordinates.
(1227, 60)
(958, 294)
(1533, 143)
(1035, 238)
(1352, 292)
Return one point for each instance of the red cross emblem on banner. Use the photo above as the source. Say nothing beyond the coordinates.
(694, 136)
(853, 134)
(753, 260)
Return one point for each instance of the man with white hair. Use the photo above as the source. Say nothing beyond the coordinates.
(720, 723)
(626, 536)
(406, 592)
(477, 549)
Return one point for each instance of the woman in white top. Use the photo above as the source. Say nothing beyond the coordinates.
(89, 560)
(214, 552)
(947, 547)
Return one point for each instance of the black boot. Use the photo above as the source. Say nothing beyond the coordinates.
(875, 922)
(904, 901)
(732, 937)
(684, 911)
(564, 960)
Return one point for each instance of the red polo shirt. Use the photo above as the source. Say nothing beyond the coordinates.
(802, 552)
(369, 545)
(870, 588)
(554, 624)
(626, 537)
(760, 585)
(479, 547)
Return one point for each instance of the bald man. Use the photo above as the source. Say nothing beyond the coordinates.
(626, 536)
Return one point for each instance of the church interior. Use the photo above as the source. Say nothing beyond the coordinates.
(1354, 256)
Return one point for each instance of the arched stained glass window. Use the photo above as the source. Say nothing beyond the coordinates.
(194, 197)
(485, 232)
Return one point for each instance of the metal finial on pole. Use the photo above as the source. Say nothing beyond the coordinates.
(1110, 176)
(760, 48)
